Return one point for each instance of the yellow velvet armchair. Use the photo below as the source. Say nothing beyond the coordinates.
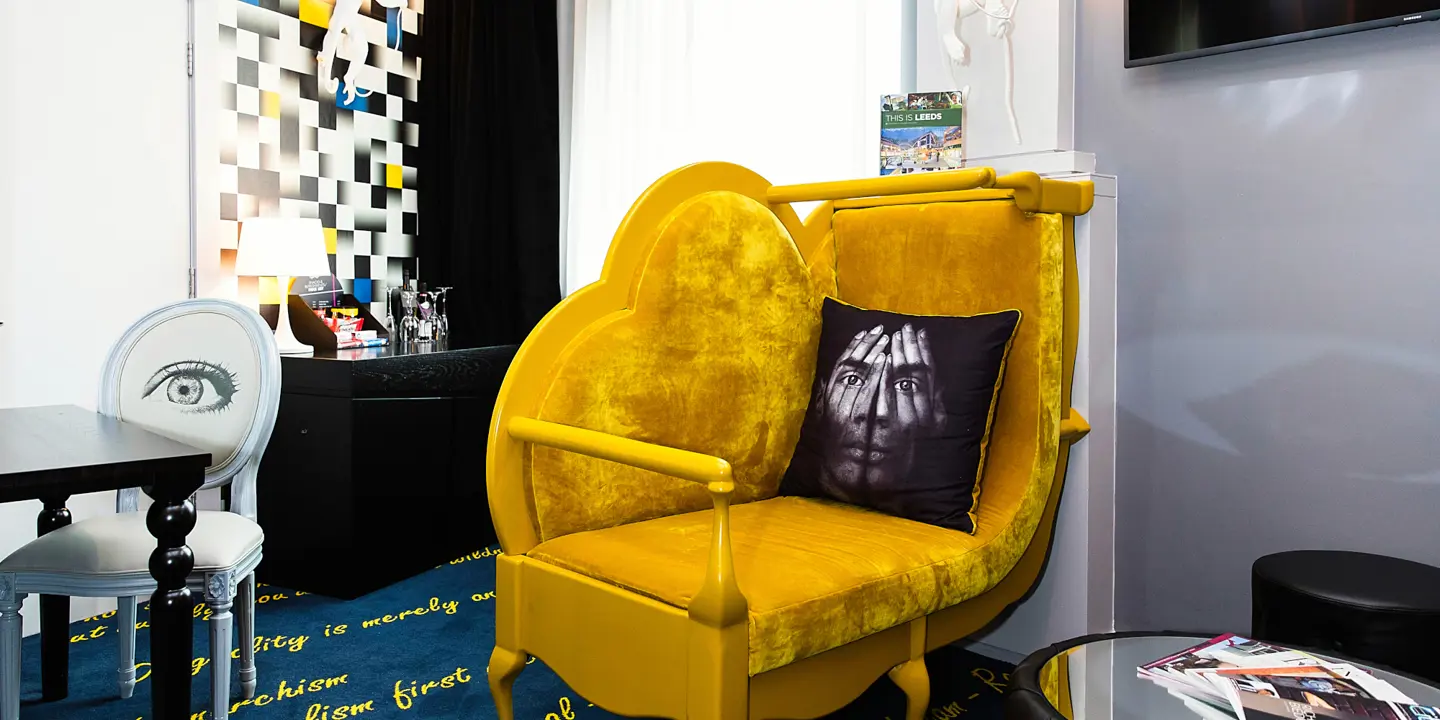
(641, 433)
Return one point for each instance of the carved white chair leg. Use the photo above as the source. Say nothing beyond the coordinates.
(10, 631)
(219, 596)
(245, 608)
(125, 672)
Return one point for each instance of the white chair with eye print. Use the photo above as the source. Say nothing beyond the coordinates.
(205, 373)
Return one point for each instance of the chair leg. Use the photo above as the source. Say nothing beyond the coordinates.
(10, 631)
(914, 679)
(125, 673)
(220, 596)
(245, 609)
(505, 666)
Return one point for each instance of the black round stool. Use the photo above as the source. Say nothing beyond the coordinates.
(1371, 607)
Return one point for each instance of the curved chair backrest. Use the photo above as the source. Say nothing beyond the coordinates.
(203, 372)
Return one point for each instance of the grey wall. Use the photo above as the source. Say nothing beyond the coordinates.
(1279, 307)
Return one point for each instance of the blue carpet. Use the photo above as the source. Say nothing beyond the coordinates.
(317, 656)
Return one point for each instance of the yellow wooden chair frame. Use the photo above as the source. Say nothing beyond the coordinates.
(664, 661)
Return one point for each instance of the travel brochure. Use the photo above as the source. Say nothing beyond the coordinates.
(921, 132)
(1231, 677)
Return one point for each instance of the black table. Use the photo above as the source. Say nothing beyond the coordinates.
(389, 447)
(1094, 677)
(51, 453)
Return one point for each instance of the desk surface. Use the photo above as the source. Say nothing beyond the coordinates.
(384, 372)
(70, 450)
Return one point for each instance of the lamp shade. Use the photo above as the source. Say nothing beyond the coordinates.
(289, 247)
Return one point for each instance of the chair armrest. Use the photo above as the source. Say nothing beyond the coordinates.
(719, 603)
(1073, 427)
(702, 469)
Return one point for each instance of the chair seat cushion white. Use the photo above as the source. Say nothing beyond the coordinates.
(120, 544)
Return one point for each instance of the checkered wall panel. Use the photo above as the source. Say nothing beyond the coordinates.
(296, 140)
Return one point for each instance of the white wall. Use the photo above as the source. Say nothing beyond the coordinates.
(93, 197)
(1043, 41)
(1279, 385)
(800, 104)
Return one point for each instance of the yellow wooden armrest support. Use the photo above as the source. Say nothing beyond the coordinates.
(1073, 427)
(719, 603)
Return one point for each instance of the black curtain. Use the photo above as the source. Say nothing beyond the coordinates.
(489, 177)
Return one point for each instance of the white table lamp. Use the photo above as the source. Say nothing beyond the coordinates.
(284, 248)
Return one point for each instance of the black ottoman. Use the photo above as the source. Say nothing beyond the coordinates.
(1371, 607)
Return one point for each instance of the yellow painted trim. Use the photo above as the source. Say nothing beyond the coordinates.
(633, 663)
(923, 198)
(1073, 426)
(1030, 192)
(712, 472)
(1034, 194)
(824, 683)
(888, 185)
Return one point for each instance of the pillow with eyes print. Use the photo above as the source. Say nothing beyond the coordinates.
(901, 412)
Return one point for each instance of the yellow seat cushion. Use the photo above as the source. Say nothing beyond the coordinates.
(817, 574)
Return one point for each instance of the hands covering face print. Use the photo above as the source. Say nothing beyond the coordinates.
(881, 396)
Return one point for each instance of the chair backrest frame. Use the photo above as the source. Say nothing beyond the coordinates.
(241, 468)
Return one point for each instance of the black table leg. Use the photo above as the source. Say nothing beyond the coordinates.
(54, 615)
(172, 633)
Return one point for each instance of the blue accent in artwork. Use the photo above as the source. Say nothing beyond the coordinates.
(362, 290)
(361, 104)
(256, 3)
(393, 31)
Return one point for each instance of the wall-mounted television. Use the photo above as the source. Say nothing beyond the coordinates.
(1159, 31)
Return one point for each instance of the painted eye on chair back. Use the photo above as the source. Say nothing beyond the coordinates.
(193, 378)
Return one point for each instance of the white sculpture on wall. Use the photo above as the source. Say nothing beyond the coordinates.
(1000, 24)
(346, 32)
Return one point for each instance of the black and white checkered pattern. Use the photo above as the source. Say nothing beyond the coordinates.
(291, 148)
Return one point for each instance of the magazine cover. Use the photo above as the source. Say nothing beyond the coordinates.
(921, 132)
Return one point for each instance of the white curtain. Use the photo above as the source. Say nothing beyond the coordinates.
(788, 88)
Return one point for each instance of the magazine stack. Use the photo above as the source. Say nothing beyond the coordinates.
(1232, 677)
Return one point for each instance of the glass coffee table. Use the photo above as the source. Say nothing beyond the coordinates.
(1093, 678)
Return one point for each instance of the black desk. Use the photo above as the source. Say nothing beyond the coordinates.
(376, 469)
(51, 453)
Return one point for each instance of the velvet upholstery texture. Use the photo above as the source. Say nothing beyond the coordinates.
(966, 259)
(816, 574)
(715, 355)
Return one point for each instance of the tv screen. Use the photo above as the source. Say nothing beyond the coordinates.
(1162, 30)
